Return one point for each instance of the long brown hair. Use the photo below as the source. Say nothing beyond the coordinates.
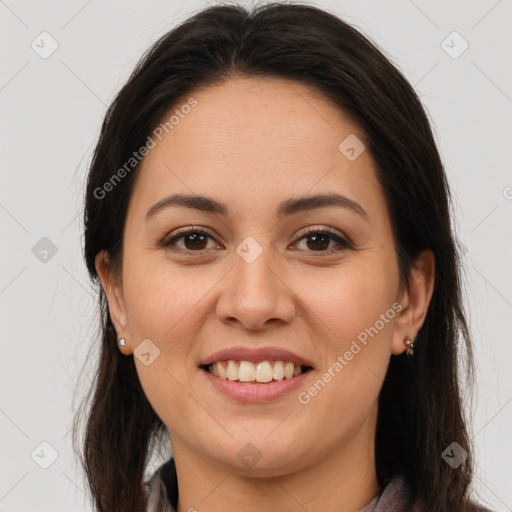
(420, 407)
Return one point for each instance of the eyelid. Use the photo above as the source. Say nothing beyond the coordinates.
(191, 229)
(323, 229)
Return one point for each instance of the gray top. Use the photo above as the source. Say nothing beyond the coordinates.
(162, 493)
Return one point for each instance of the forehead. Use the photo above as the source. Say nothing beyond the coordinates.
(254, 141)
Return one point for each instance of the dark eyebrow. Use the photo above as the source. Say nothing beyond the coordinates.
(288, 207)
(296, 205)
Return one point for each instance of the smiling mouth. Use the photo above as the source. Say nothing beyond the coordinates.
(262, 372)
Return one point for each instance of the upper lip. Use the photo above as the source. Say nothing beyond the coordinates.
(255, 355)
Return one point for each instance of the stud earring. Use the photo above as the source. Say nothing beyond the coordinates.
(410, 346)
(121, 343)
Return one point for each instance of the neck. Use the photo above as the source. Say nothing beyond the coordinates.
(345, 480)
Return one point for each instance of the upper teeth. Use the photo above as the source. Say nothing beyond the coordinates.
(246, 371)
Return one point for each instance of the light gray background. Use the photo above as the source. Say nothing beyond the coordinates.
(51, 114)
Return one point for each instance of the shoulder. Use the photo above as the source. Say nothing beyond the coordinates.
(161, 489)
(400, 490)
(395, 496)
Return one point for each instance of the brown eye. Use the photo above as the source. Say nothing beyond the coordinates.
(319, 240)
(197, 240)
(194, 240)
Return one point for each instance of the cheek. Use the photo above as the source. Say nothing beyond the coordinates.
(161, 299)
(354, 316)
(162, 306)
(356, 349)
(349, 300)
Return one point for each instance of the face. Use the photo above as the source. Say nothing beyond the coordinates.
(265, 276)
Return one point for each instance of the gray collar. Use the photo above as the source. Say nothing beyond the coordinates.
(162, 493)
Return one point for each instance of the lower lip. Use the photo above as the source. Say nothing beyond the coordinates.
(255, 391)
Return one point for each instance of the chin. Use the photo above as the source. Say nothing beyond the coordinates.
(260, 456)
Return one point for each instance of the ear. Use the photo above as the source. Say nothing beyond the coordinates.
(112, 286)
(414, 301)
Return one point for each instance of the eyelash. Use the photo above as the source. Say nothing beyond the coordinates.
(310, 231)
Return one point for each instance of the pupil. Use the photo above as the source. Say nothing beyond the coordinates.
(198, 239)
(324, 237)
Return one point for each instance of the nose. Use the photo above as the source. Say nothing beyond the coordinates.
(255, 294)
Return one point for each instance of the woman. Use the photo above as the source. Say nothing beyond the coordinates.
(268, 217)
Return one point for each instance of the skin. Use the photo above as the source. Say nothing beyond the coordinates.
(269, 140)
